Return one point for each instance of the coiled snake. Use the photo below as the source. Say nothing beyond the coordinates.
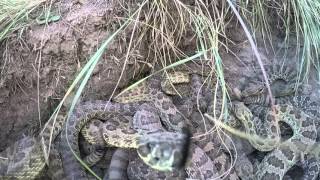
(299, 112)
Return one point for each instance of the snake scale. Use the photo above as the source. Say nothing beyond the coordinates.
(198, 160)
(125, 137)
(149, 92)
(300, 113)
(69, 137)
(285, 154)
(143, 92)
(282, 79)
(304, 104)
(146, 119)
(175, 77)
(273, 166)
(26, 159)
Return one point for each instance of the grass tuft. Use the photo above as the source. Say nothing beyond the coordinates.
(296, 19)
(14, 15)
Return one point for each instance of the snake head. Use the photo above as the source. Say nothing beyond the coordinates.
(280, 88)
(241, 111)
(164, 151)
(253, 90)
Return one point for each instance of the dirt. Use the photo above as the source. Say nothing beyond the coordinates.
(39, 63)
(38, 66)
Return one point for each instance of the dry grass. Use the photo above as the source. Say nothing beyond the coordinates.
(14, 14)
(298, 20)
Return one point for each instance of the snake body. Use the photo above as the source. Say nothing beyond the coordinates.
(199, 166)
(26, 158)
(287, 154)
(146, 93)
(306, 105)
(283, 81)
(146, 119)
(93, 137)
(70, 134)
(118, 165)
(112, 134)
(269, 129)
(197, 104)
(218, 146)
(302, 115)
(55, 167)
(149, 92)
(154, 90)
(198, 100)
(23, 159)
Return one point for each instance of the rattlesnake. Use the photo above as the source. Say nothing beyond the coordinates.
(68, 161)
(283, 81)
(187, 94)
(287, 153)
(25, 159)
(85, 111)
(309, 109)
(147, 120)
(201, 95)
(308, 106)
(199, 165)
(236, 162)
(150, 91)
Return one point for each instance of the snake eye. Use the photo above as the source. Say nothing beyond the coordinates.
(156, 159)
(144, 150)
(261, 89)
